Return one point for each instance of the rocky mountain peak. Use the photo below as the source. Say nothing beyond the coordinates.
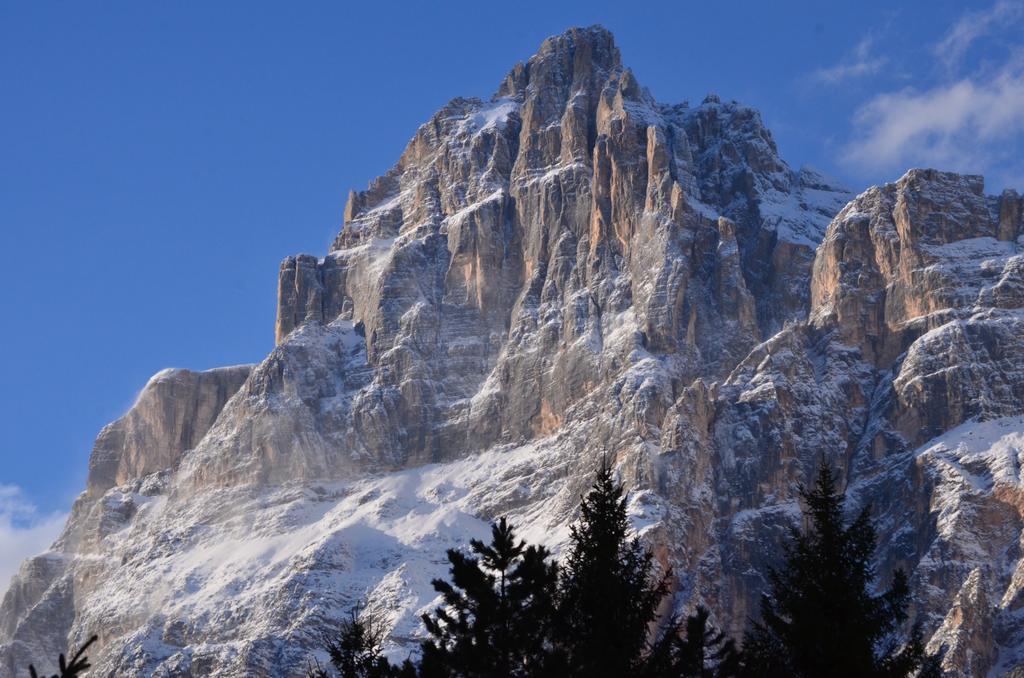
(567, 272)
(578, 59)
(905, 258)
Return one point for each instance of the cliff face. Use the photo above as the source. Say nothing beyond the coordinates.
(567, 271)
(172, 414)
(524, 248)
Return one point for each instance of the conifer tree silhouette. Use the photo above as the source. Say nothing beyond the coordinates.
(820, 618)
(509, 612)
(701, 651)
(497, 611)
(77, 667)
(355, 649)
(608, 598)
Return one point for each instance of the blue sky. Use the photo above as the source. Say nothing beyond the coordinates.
(158, 160)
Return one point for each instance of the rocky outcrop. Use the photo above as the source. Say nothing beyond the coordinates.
(567, 271)
(964, 369)
(919, 275)
(300, 294)
(907, 257)
(907, 376)
(523, 248)
(977, 507)
(965, 637)
(170, 416)
(37, 613)
(1011, 216)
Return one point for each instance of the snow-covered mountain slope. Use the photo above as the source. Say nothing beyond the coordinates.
(567, 271)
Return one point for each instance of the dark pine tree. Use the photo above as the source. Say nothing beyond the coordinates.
(608, 597)
(821, 618)
(497, 612)
(76, 667)
(355, 650)
(692, 650)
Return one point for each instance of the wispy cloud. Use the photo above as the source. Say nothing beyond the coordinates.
(966, 120)
(859, 63)
(968, 124)
(24, 532)
(974, 25)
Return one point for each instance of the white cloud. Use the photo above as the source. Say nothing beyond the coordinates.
(23, 531)
(971, 124)
(859, 63)
(975, 25)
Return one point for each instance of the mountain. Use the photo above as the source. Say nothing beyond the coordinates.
(568, 271)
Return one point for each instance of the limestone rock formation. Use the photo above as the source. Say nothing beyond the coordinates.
(565, 271)
(170, 416)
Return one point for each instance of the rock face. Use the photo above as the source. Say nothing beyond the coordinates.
(566, 271)
(172, 414)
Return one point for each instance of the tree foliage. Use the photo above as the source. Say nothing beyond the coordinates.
(692, 649)
(608, 598)
(355, 649)
(497, 611)
(76, 667)
(507, 610)
(820, 617)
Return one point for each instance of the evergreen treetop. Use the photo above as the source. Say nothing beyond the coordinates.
(608, 599)
(497, 611)
(821, 618)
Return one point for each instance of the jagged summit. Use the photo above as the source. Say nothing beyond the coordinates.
(566, 60)
(561, 85)
(573, 114)
(594, 43)
(567, 272)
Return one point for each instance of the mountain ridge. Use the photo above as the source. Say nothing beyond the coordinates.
(568, 271)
